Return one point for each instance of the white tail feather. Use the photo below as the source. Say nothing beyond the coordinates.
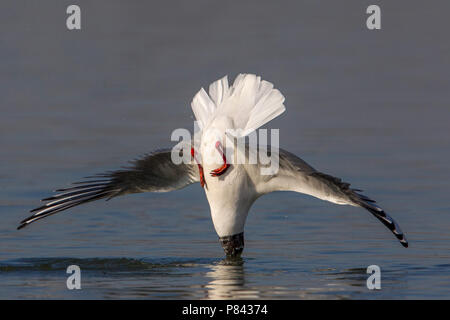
(250, 102)
(218, 90)
(203, 107)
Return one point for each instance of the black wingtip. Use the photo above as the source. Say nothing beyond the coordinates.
(21, 226)
(403, 241)
(387, 220)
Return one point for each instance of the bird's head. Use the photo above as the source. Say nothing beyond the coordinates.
(233, 245)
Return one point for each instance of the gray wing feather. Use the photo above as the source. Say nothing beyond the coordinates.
(330, 188)
(154, 172)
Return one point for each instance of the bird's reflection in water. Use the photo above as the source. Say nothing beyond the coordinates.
(228, 281)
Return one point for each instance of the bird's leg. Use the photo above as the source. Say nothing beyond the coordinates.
(200, 168)
(219, 171)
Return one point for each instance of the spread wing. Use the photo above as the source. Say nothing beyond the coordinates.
(294, 174)
(155, 172)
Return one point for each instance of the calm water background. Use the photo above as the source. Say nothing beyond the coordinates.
(371, 107)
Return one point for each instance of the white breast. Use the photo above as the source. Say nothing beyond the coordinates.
(230, 195)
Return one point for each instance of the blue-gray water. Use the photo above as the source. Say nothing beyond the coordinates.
(371, 107)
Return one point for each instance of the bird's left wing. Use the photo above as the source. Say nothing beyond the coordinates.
(155, 172)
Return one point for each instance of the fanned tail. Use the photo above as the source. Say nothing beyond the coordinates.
(257, 102)
(250, 102)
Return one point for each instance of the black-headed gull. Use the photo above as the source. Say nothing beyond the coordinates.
(230, 186)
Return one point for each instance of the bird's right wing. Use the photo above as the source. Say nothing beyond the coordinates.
(294, 174)
(155, 172)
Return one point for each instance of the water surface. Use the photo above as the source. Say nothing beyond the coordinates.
(371, 107)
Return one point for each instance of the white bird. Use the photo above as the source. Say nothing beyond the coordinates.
(232, 186)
